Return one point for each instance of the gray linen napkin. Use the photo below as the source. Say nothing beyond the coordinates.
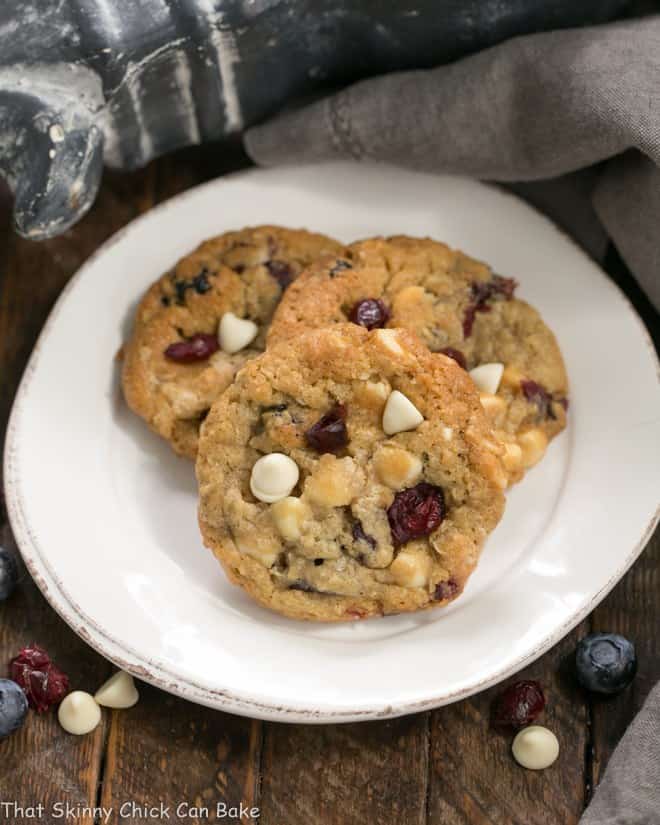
(533, 108)
(629, 793)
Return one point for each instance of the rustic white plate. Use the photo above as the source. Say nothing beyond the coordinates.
(105, 514)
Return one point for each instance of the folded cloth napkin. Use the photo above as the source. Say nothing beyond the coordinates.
(629, 793)
(533, 108)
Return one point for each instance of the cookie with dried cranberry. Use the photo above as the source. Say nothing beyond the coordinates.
(349, 473)
(202, 320)
(459, 307)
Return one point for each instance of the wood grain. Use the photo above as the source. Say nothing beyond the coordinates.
(41, 760)
(345, 774)
(187, 758)
(632, 609)
(441, 768)
(474, 778)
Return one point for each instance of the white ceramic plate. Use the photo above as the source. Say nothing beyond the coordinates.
(105, 514)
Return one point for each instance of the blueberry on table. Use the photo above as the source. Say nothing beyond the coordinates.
(13, 707)
(8, 574)
(605, 662)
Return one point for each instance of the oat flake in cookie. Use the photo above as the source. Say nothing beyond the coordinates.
(344, 521)
(459, 307)
(181, 354)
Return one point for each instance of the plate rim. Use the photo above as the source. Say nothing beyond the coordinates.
(222, 699)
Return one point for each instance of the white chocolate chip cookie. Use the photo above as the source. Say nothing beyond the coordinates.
(321, 511)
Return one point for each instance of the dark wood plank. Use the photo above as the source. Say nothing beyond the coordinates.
(32, 275)
(188, 758)
(632, 609)
(474, 778)
(345, 774)
(41, 763)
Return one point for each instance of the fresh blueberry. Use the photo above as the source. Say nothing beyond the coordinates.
(605, 662)
(8, 574)
(13, 707)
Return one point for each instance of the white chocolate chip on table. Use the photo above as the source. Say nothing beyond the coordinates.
(234, 333)
(400, 414)
(118, 692)
(79, 713)
(487, 377)
(535, 748)
(273, 477)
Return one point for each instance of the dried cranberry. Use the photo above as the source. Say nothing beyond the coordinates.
(359, 535)
(482, 292)
(456, 355)
(369, 313)
(329, 434)
(518, 705)
(281, 271)
(416, 512)
(537, 394)
(445, 590)
(197, 348)
(43, 682)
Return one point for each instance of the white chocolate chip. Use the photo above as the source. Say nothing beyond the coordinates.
(118, 692)
(234, 333)
(397, 468)
(289, 514)
(79, 713)
(273, 477)
(259, 547)
(535, 748)
(493, 405)
(335, 482)
(487, 377)
(400, 414)
(533, 444)
(411, 568)
(447, 433)
(388, 338)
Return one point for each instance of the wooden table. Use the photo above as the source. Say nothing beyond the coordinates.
(442, 768)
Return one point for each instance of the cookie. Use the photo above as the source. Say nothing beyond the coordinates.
(205, 318)
(459, 307)
(348, 473)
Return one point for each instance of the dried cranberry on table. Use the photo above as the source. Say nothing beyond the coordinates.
(416, 512)
(43, 682)
(329, 434)
(370, 313)
(518, 705)
(455, 355)
(198, 348)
